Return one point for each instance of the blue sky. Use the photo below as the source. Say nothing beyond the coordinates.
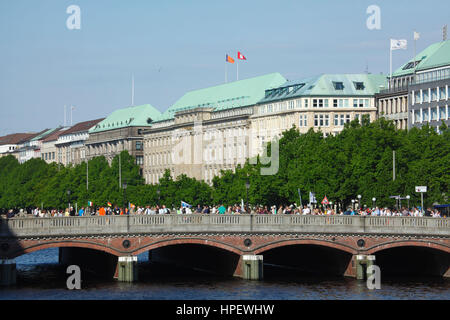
(172, 47)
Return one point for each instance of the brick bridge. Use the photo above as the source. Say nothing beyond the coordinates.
(237, 245)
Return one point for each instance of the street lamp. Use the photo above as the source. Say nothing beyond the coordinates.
(68, 197)
(407, 198)
(247, 186)
(158, 192)
(359, 201)
(373, 200)
(353, 204)
(124, 186)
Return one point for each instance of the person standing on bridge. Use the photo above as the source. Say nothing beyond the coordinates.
(81, 212)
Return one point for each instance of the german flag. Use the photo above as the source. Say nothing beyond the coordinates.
(229, 59)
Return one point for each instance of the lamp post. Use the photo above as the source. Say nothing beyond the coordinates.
(407, 198)
(158, 192)
(359, 201)
(124, 186)
(353, 204)
(68, 198)
(373, 201)
(247, 186)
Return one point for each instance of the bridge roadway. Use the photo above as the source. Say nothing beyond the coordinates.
(240, 240)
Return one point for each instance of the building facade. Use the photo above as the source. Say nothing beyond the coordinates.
(219, 128)
(417, 90)
(205, 131)
(121, 130)
(324, 103)
(9, 144)
(31, 148)
(70, 145)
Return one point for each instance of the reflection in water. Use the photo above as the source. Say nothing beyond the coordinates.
(40, 277)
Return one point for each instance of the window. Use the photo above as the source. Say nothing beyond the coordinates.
(306, 103)
(417, 117)
(291, 104)
(335, 102)
(314, 103)
(303, 120)
(355, 103)
(417, 97)
(299, 103)
(325, 103)
(359, 85)
(347, 118)
(139, 160)
(269, 108)
(442, 115)
(442, 95)
(336, 119)
(434, 94)
(425, 114)
(316, 120)
(434, 113)
(361, 103)
(425, 95)
(338, 85)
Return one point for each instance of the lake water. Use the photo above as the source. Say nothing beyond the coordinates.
(40, 277)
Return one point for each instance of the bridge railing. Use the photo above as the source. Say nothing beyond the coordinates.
(106, 225)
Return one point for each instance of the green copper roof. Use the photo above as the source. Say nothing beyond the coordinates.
(44, 134)
(328, 85)
(434, 56)
(127, 117)
(226, 96)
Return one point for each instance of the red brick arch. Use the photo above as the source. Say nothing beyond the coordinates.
(408, 243)
(291, 242)
(172, 242)
(66, 244)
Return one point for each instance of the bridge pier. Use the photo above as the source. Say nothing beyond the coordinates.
(8, 273)
(363, 262)
(358, 266)
(127, 269)
(252, 267)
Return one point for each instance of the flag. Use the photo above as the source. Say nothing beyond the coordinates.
(312, 197)
(398, 44)
(109, 204)
(416, 35)
(241, 56)
(90, 203)
(185, 204)
(229, 59)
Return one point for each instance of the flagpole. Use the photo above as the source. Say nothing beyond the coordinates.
(390, 65)
(237, 66)
(226, 76)
(132, 89)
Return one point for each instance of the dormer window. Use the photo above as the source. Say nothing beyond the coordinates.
(338, 85)
(359, 85)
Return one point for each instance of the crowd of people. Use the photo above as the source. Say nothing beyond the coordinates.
(221, 209)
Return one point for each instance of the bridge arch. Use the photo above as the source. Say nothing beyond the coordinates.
(185, 241)
(316, 242)
(408, 243)
(65, 244)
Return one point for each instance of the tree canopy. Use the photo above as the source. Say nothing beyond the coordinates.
(359, 160)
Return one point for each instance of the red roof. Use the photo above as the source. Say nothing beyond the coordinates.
(16, 138)
(82, 126)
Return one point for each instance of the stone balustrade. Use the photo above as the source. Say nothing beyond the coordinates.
(216, 223)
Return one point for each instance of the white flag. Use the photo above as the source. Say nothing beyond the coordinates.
(416, 35)
(398, 44)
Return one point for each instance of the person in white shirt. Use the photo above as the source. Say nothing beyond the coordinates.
(306, 210)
